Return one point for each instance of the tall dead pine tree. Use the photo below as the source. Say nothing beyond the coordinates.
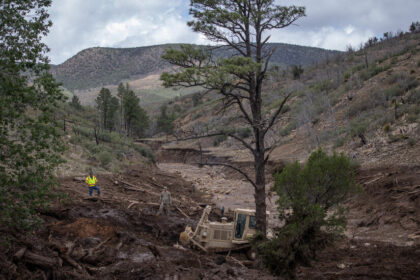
(242, 26)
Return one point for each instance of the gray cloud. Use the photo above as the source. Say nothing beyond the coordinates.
(332, 24)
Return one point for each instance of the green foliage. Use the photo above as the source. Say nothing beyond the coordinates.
(297, 71)
(107, 106)
(165, 120)
(340, 141)
(287, 129)
(310, 198)
(219, 139)
(196, 99)
(358, 127)
(418, 63)
(387, 128)
(29, 96)
(105, 158)
(411, 142)
(322, 86)
(414, 97)
(146, 152)
(75, 103)
(135, 117)
(393, 92)
(243, 132)
(372, 71)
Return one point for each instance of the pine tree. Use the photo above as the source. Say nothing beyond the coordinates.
(243, 27)
(108, 106)
(135, 116)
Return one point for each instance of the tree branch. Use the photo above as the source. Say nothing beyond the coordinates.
(234, 168)
(277, 113)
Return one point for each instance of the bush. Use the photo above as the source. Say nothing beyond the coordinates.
(358, 127)
(387, 128)
(411, 142)
(306, 195)
(339, 142)
(393, 92)
(146, 152)
(372, 71)
(418, 63)
(105, 158)
(286, 130)
(243, 132)
(219, 139)
(414, 97)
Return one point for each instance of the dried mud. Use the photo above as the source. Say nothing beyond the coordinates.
(120, 236)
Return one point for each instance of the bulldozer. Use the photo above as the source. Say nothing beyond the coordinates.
(221, 236)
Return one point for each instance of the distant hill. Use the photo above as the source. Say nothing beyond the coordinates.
(96, 67)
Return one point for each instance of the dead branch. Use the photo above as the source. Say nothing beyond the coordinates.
(235, 260)
(234, 168)
(182, 212)
(19, 254)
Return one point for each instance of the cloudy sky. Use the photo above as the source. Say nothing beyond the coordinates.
(331, 24)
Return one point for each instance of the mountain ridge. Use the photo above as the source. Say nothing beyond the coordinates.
(101, 66)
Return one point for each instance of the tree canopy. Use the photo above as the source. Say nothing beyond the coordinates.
(29, 138)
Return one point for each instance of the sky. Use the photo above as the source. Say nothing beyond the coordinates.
(329, 24)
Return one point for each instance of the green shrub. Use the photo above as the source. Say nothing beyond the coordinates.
(310, 198)
(411, 142)
(414, 97)
(339, 142)
(105, 158)
(286, 130)
(244, 132)
(84, 131)
(412, 117)
(358, 127)
(346, 76)
(394, 60)
(219, 139)
(146, 152)
(372, 71)
(393, 92)
(387, 128)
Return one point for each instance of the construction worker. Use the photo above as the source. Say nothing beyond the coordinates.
(165, 202)
(91, 181)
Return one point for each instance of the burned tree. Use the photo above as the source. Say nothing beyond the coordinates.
(242, 26)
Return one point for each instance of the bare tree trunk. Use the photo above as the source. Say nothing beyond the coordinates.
(261, 207)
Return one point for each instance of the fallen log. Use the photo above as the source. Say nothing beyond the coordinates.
(39, 260)
(235, 260)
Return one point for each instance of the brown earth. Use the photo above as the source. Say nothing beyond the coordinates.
(120, 236)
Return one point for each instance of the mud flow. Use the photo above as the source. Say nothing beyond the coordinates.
(119, 235)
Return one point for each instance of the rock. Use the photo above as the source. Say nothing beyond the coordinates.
(409, 243)
(367, 244)
(341, 265)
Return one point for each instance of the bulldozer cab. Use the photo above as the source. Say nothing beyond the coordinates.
(244, 225)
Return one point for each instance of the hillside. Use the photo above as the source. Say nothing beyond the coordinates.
(364, 103)
(96, 67)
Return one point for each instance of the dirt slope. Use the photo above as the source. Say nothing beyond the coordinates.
(117, 237)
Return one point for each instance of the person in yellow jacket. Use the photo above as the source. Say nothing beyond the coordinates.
(91, 181)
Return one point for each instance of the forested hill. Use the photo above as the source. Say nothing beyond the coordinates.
(95, 67)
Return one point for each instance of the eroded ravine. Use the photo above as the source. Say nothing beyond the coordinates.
(222, 190)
